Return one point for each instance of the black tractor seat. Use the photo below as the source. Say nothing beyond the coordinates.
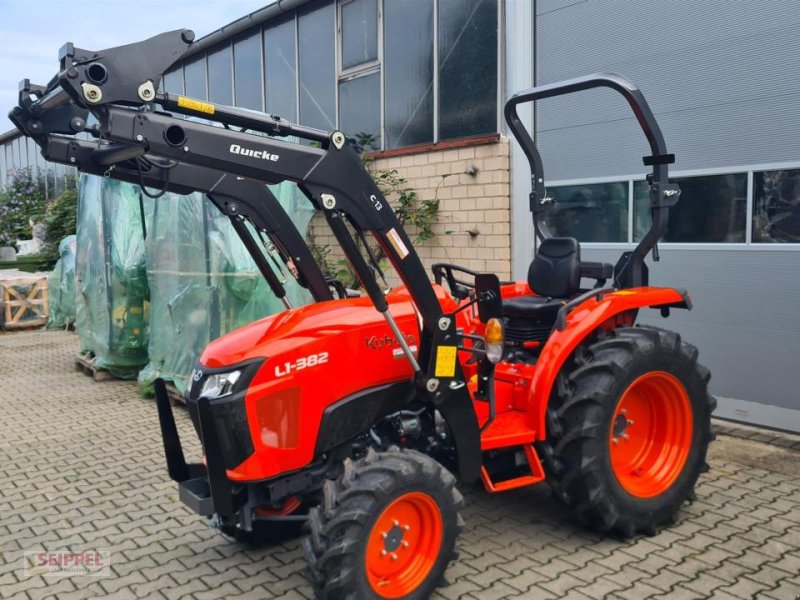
(555, 277)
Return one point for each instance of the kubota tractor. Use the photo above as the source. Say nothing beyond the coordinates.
(356, 417)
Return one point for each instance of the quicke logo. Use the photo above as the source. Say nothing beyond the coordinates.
(262, 154)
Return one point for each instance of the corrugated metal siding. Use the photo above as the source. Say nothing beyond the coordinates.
(744, 321)
(719, 75)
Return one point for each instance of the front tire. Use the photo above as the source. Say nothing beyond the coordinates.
(629, 428)
(386, 528)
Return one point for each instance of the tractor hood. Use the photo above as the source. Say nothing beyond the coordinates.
(352, 323)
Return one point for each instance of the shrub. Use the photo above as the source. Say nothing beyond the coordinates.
(60, 221)
(21, 202)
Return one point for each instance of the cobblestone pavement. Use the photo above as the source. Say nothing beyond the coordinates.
(81, 468)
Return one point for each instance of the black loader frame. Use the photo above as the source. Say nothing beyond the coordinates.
(331, 176)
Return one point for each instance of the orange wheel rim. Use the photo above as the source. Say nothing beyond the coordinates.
(404, 545)
(651, 434)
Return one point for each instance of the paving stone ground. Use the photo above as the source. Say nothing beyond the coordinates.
(81, 468)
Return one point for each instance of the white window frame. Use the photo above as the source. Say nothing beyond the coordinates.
(364, 68)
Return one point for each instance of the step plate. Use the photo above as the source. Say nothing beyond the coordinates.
(537, 475)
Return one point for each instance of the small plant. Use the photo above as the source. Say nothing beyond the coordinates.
(410, 210)
(21, 204)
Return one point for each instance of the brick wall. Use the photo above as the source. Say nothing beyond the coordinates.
(473, 223)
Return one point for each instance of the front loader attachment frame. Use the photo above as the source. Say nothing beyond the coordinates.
(114, 86)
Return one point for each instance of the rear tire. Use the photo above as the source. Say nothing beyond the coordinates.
(620, 473)
(386, 528)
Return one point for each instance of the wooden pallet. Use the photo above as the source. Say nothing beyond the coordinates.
(24, 302)
(87, 364)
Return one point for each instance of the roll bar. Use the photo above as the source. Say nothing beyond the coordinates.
(630, 270)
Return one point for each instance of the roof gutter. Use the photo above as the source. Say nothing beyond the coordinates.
(10, 135)
(254, 19)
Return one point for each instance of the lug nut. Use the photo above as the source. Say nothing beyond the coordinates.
(394, 556)
(383, 553)
(407, 527)
(630, 421)
(625, 436)
(615, 441)
(405, 544)
(384, 535)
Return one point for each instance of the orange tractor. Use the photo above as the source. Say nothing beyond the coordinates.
(356, 417)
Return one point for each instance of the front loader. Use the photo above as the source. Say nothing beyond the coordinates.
(356, 417)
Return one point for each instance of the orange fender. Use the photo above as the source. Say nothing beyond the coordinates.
(581, 321)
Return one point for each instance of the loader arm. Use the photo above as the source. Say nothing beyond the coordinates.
(120, 92)
(236, 198)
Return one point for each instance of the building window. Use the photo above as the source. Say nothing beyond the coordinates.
(359, 32)
(360, 109)
(408, 72)
(596, 212)
(194, 75)
(281, 70)
(220, 76)
(711, 209)
(429, 69)
(776, 207)
(317, 67)
(173, 82)
(359, 73)
(467, 68)
(247, 72)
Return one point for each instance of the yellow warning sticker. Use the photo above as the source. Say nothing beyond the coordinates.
(446, 361)
(196, 105)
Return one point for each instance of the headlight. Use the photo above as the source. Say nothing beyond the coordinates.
(219, 385)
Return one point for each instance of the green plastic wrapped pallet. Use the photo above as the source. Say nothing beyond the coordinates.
(61, 286)
(112, 295)
(203, 283)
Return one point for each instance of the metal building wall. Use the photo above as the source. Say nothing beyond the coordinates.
(719, 75)
(720, 78)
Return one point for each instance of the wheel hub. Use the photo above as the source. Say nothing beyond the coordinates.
(404, 545)
(620, 425)
(393, 539)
